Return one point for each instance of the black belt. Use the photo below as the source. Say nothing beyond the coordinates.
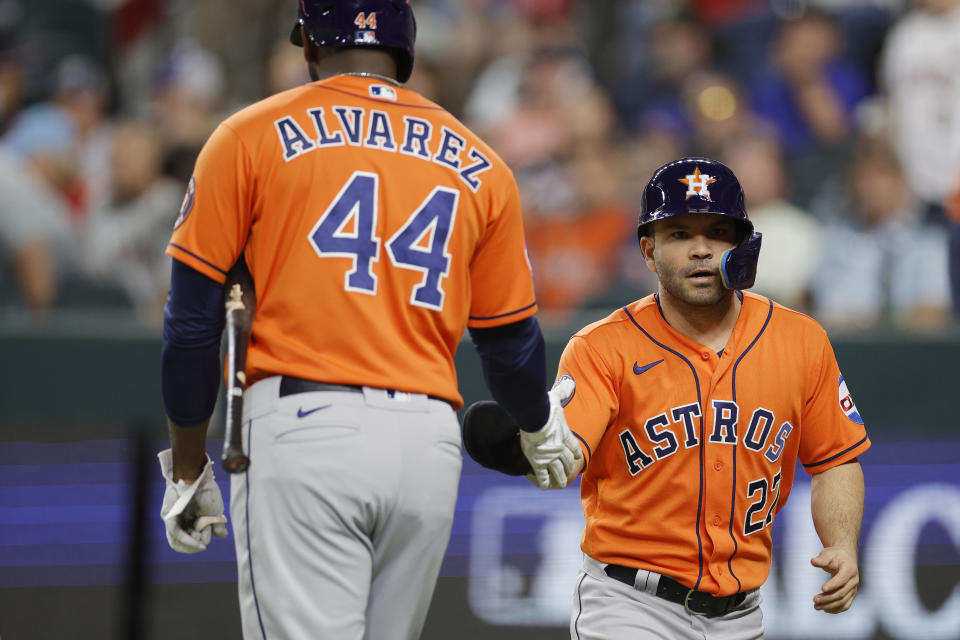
(290, 385)
(698, 602)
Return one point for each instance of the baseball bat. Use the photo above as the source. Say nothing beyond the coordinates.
(233, 459)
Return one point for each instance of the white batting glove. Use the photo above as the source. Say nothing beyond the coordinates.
(553, 451)
(191, 512)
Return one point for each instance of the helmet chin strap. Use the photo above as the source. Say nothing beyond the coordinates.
(738, 266)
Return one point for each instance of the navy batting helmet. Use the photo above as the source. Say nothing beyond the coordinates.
(492, 438)
(360, 23)
(701, 185)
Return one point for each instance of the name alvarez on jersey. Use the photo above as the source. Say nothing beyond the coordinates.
(372, 129)
(381, 213)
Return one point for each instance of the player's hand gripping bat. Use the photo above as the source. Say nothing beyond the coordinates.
(233, 459)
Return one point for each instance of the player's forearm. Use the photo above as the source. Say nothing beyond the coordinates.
(513, 360)
(837, 504)
(189, 446)
(190, 363)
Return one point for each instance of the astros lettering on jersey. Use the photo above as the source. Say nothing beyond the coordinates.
(431, 210)
(691, 453)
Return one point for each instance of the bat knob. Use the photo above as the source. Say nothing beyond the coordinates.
(235, 463)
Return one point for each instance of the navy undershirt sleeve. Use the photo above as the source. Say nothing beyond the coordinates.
(193, 320)
(514, 364)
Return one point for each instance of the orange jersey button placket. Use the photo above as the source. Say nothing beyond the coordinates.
(718, 458)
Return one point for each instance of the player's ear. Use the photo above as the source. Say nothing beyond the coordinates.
(646, 246)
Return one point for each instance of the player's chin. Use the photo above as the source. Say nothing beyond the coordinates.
(701, 294)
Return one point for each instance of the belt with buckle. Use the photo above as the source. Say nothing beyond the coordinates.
(290, 385)
(697, 602)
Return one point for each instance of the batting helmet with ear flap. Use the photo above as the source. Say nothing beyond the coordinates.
(492, 438)
(701, 185)
(360, 23)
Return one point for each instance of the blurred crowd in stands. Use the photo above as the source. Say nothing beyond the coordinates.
(840, 117)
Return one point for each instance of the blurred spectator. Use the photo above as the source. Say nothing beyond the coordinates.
(79, 93)
(36, 167)
(791, 236)
(557, 138)
(677, 48)
(126, 237)
(809, 92)
(659, 141)
(718, 113)
(922, 82)
(884, 264)
(10, 85)
(527, 36)
(454, 39)
(188, 94)
(286, 68)
(44, 139)
(426, 81)
(50, 31)
(559, 107)
(574, 248)
(81, 90)
(140, 40)
(626, 276)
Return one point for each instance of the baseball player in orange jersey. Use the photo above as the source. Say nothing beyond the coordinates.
(692, 406)
(376, 228)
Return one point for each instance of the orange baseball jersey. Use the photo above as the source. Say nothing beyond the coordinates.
(375, 225)
(690, 453)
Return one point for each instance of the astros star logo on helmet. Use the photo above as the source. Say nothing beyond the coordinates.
(697, 184)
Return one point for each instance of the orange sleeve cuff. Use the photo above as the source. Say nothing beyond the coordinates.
(196, 262)
(840, 458)
(483, 322)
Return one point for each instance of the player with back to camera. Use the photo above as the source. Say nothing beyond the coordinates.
(693, 405)
(376, 229)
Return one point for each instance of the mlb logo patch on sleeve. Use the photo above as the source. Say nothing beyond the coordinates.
(846, 402)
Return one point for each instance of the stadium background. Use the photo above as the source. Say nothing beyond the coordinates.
(583, 99)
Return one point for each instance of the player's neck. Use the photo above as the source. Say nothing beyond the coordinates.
(373, 63)
(710, 326)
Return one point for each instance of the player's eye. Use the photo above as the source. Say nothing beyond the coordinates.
(722, 232)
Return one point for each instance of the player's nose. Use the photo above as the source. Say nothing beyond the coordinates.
(700, 247)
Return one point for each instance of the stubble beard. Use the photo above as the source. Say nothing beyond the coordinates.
(680, 288)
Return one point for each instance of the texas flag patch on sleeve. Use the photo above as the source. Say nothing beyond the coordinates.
(846, 402)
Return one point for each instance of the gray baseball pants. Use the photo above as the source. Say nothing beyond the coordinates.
(343, 518)
(605, 608)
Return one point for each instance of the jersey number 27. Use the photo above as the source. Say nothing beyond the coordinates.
(347, 230)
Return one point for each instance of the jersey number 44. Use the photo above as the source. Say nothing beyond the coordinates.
(346, 230)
